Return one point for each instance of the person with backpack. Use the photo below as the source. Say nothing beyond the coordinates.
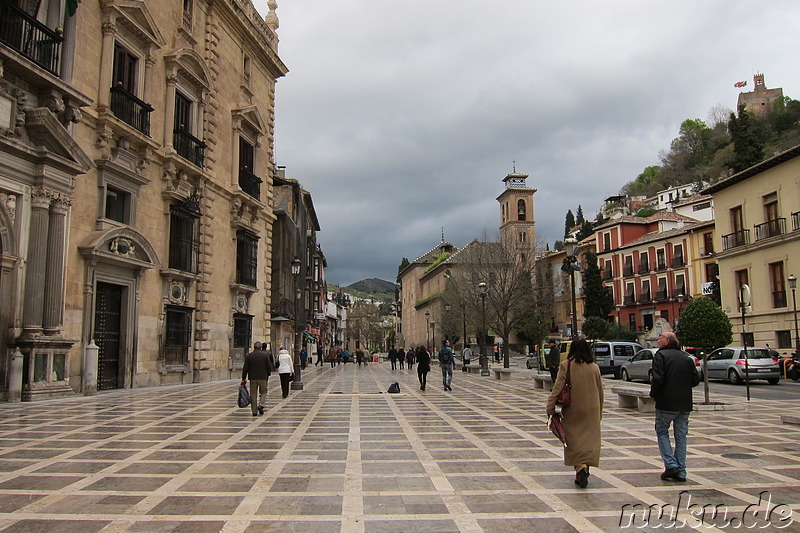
(446, 361)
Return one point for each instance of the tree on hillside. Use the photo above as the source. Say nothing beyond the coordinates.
(748, 143)
(569, 223)
(403, 265)
(704, 324)
(579, 216)
(599, 300)
(587, 229)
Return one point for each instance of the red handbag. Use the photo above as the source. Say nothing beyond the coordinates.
(564, 396)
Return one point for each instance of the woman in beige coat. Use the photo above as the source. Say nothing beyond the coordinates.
(582, 418)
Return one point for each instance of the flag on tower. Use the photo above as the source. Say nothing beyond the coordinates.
(740, 84)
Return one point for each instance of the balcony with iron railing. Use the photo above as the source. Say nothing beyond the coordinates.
(250, 183)
(779, 299)
(736, 239)
(661, 266)
(796, 221)
(606, 274)
(678, 262)
(644, 267)
(629, 299)
(661, 295)
(644, 298)
(130, 109)
(627, 270)
(680, 292)
(770, 228)
(30, 38)
(189, 147)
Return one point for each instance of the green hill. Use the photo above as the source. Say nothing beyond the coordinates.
(373, 288)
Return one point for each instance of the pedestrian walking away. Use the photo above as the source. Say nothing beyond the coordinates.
(320, 352)
(401, 357)
(552, 359)
(359, 356)
(446, 360)
(345, 356)
(410, 357)
(285, 370)
(258, 366)
(393, 357)
(674, 376)
(582, 417)
(303, 358)
(466, 357)
(423, 366)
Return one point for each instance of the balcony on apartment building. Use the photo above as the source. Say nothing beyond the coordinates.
(606, 274)
(679, 292)
(627, 270)
(796, 221)
(779, 299)
(770, 228)
(250, 183)
(736, 239)
(129, 109)
(30, 38)
(678, 262)
(660, 266)
(644, 298)
(644, 267)
(661, 296)
(629, 299)
(189, 147)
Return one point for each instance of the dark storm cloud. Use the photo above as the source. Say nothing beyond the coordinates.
(403, 117)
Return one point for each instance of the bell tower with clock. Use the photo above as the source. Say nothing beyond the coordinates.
(516, 215)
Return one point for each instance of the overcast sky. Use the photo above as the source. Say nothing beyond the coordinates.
(403, 117)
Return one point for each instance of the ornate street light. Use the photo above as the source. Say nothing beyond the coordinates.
(571, 265)
(427, 329)
(793, 286)
(297, 383)
(484, 360)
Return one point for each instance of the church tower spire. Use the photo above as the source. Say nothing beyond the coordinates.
(516, 214)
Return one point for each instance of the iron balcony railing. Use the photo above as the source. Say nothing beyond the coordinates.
(627, 270)
(796, 221)
(779, 299)
(735, 239)
(250, 183)
(607, 273)
(644, 298)
(770, 228)
(130, 109)
(661, 266)
(30, 38)
(629, 300)
(189, 147)
(679, 292)
(678, 261)
(661, 295)
(644, 268)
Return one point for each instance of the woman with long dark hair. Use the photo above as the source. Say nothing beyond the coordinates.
(582, 417)
(423, 366)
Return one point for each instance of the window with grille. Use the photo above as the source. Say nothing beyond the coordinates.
(242, 330)
(178, 335)
(246, 258)
(784, 338)
(183, 236)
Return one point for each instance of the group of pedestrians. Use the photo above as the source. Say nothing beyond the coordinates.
(399, 357)
(674, 376)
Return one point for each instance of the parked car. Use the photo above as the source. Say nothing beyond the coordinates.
(640, 365)
(730, 363)
(610, 355)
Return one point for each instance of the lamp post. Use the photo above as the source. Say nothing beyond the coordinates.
(427, 329)
(484, 290)
(571, 265)
(433, 334)
(297, 383)
(793, 286)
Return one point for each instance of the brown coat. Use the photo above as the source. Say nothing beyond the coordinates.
(582, 418)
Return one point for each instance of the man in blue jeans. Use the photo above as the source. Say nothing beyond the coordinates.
(674, 376)
(446, 361)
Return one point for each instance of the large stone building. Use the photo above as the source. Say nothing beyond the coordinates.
(136, 216)
(759, 100)
(758, 221)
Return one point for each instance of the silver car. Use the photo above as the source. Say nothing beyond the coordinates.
(730, 363)
(638, 367)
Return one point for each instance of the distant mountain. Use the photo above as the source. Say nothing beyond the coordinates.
(374, 287)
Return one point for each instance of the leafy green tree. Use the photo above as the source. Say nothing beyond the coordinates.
(569, 223)
(403, 265)
(579, 216)
(748, 145)
(595, 327)
(599, 300)
(705, 325)
(587, 229)
(618, 332)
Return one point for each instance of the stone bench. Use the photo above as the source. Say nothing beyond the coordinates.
(503, 374)
(790, 419)
(635, 397)
(474, 368)
(542, 381)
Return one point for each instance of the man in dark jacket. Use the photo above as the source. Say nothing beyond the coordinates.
(674, 376)
(258, 365)
(393, 357)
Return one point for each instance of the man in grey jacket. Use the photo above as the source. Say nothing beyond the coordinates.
(674, 376)
(258, 364)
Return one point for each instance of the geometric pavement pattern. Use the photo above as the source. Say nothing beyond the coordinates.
(342, 455)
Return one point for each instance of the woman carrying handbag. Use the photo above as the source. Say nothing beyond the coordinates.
(579, 388)
(285, 370)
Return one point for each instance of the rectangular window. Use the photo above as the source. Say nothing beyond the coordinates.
(644, 296)
(665, 314)
(606, 241)
(708, 243)
(117, 205)
(632, 321)
(125, 68)
(177, 335)
(677, 256)
(661, 263)
(680, 286)
(183, 239)
(183, 113)
(242, 330)
(777, 284)
(784, 338)
(246, 258)
(248, 181)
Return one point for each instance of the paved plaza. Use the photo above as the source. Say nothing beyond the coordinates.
(344, 456)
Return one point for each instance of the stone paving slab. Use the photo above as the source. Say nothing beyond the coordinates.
(344, 456)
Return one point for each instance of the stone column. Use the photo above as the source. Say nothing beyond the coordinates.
(106, 62)
(35, 271)
(169, 110)
(54, 288)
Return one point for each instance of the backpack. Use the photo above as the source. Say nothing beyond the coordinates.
(394, 388)
(446, 356)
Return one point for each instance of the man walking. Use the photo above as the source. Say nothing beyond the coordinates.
(466, 357)
(552, 359)
(674, 376)
(401, 357)
(258, 365)
(393, 357)
(446, 361)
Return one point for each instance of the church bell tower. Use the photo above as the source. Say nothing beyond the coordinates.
(516, 215)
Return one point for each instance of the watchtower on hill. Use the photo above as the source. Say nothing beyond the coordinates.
(759, 100)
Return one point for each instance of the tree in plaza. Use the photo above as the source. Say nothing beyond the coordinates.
(598, 298)
(595, 327)
(569, 223)
(537, 324)
(618, 332)
(704, 324)
(365, 325)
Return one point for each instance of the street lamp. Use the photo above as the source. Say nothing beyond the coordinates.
(427, 329)
(297, 383)
(571, 265)
(433, 334)
(484, 290)
(793, 286)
